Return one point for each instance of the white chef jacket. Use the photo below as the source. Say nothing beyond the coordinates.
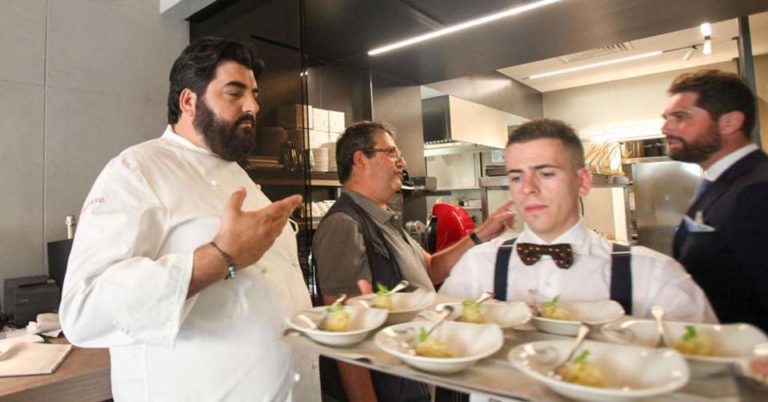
(130, 268)
(656, 278)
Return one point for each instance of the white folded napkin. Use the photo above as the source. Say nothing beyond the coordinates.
(47, 324)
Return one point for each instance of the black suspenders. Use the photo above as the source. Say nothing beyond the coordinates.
(502, 269)
(621, 274)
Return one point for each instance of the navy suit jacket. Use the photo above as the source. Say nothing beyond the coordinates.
(731, 263)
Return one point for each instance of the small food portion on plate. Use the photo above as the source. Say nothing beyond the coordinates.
(552, 310)
(429, 346)
(383, 298)
(695, 343)
(471, 312)
(582, 372)
(337, 319)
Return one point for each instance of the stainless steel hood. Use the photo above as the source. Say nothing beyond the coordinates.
(454, 123)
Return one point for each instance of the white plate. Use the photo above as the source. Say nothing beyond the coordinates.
(631, 372)
(503, 314)
(361, 322)
(588, 312)
(468, 343)
(405, 306)
(733, 342)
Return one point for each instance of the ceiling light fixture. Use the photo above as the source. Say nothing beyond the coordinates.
(462, 26)
(706, 30)
(594, 65)
(689, 53)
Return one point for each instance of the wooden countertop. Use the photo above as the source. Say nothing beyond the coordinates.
(82, 377)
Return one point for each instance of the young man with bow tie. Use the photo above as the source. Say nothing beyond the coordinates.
(556, 253)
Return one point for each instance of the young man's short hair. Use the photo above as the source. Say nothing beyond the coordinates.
(554, 129)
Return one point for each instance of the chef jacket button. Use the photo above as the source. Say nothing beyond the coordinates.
(213, 183)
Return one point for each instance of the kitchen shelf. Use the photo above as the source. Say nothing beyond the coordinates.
(275, 177)
(646, 159)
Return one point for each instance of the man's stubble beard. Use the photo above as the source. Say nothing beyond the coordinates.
(223, 138)
(698, 150)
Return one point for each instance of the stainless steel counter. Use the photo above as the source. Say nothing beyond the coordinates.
(495, 376)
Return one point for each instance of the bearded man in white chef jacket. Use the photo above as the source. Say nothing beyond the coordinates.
(182, 267)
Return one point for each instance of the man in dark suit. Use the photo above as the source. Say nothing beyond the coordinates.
(723, 239)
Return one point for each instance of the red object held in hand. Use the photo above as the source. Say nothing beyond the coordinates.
(452, 224)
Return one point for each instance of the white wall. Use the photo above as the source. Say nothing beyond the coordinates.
(631, 102)
(80, 81)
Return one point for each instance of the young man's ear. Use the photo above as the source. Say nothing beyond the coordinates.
(584, 176)
(731, 122)
(187, 102)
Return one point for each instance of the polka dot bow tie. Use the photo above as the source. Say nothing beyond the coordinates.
(531, 253)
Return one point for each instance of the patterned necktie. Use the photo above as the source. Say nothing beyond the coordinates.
(531, 253)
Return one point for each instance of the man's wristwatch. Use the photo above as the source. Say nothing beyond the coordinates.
(475, 239)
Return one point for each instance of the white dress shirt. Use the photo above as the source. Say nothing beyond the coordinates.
(719, 167)
(656, 278)
(130, 268)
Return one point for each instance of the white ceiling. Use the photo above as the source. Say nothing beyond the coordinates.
(724, 48)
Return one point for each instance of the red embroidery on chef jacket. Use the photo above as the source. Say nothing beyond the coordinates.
(95, 200)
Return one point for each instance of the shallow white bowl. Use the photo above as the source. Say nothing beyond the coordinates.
(503, 314)
(361, 322)
(405, 306)
(467, 342)
(733, 342)
(588, 312)
(631, 372)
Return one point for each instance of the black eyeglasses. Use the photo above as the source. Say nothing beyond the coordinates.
(391, 152)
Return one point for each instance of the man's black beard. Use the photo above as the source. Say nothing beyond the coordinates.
(227, 140)
(698, 150)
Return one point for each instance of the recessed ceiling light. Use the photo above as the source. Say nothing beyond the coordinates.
(594, 65)
(460, 27)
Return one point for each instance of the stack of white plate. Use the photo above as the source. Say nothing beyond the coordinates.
(320, 159)
(331, 147)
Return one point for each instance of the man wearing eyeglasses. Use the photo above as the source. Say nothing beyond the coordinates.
(361, 239)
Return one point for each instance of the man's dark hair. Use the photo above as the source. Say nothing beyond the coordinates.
(719, 93)
(357, 137)
(555, 129)
(196, 65)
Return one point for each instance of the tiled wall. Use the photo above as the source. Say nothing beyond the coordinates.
(80, 80)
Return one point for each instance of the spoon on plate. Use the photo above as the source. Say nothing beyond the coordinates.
(583, 331)
(658, 313)
(488, 294)
(314, 325)
(408, 347)
(400, 286)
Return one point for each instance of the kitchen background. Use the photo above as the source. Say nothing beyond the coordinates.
(84, 79)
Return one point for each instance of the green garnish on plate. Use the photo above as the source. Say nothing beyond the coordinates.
(336, 308)
(553, 302)
(423, 334)
(690, 333)
(381, 290)
(582, 357)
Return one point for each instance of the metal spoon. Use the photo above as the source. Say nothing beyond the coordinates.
(447, 311)
(314, 325)
(583, 331)
(485, 296)
(400, 286)
(658, 314)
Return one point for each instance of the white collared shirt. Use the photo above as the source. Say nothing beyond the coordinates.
(129, 271)
(656, 278)
(719, 167)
